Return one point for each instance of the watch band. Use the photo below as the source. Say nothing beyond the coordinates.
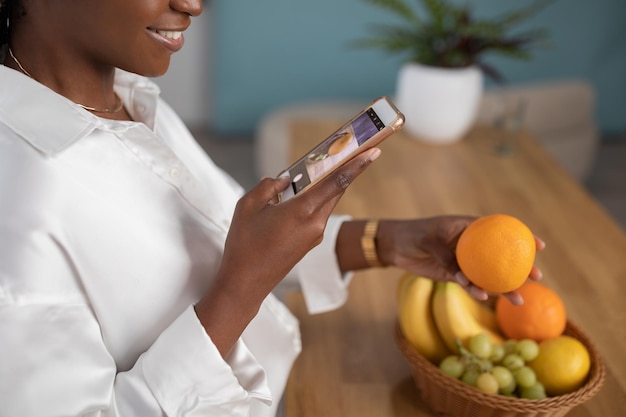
(368, 243)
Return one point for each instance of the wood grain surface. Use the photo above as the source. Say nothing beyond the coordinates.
(350, 365)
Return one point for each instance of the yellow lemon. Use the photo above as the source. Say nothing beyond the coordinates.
(562, 364)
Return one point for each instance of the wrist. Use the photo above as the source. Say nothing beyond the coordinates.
(386, 242)
(225, 314)
(369, 244)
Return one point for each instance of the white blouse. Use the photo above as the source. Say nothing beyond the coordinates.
(109, 233)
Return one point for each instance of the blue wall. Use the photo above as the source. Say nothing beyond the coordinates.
(269, 53)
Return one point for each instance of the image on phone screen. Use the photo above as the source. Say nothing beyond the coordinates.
(334, 150)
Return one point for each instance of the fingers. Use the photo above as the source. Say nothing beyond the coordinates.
(461, 279)
(333, 186)
(343, 177)
(514, 297)
(476, 292)
(266, 192)
(535, 274)
(539, 244)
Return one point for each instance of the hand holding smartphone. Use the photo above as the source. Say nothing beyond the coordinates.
(365, 130)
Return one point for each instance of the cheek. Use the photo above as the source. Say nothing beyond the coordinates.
(145, 56)
(118, 35)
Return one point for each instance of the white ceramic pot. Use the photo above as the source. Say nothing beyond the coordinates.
(440, 104)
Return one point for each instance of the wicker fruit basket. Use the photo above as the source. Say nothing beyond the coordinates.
(447, 396)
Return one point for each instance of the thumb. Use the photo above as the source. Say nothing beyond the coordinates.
(269, 188)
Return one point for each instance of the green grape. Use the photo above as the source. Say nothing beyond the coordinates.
(487, 383)
(497, 353)
(480, 345)
(528, 349)
(453, 366)
(486, 365)
(534, 392)
(470, 376)
(471, 365)
(513, 361)
(525, 377)
(503, 375)
(509, 390)
(510, 346)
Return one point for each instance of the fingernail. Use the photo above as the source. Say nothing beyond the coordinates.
(460, 279)
(374, 153)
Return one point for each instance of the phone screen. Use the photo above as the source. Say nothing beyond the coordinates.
(334, 150)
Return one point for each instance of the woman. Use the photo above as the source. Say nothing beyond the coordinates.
(135, 279)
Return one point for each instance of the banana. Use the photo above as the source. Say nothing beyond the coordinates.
(459, 316)
(416, 318)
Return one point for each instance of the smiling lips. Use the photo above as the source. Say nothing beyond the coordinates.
(172, 34)
(171, 39)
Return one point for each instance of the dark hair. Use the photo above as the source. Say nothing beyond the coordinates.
(6, 7)
(10, 10)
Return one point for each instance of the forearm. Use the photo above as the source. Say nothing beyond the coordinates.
(225, 315)
(424, 246)
(349, 245)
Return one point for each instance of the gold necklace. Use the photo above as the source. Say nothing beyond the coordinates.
(117, 108)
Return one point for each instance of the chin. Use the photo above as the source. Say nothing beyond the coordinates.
(153, 73)
(155, 70)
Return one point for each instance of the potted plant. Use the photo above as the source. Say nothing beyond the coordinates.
(440, 86)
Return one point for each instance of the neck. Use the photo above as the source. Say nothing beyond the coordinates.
(111, 107)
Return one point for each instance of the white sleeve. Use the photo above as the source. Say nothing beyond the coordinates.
(54, 363)
(318, 275)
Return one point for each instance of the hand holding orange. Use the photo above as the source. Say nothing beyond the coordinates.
(496, 252)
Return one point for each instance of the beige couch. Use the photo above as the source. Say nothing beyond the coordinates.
(560, 114)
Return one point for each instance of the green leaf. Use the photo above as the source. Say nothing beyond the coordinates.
(440, 33)
(520, 15)
(397, 7)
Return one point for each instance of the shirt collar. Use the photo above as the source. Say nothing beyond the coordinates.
(51, 122)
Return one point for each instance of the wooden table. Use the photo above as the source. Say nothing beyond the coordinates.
(350, 365)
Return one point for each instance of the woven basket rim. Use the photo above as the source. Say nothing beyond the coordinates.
(423, 368)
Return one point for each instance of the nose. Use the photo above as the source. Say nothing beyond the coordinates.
(191, 7)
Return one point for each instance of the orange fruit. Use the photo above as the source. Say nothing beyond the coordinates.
(562, 365)
(542, 316)
(496, 252)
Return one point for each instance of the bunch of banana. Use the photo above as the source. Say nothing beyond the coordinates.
(415, 316)
(459, 316)
(432, 315)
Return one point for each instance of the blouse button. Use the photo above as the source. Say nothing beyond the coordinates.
(174, 172)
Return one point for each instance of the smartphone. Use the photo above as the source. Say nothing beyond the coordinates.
(368, 128)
